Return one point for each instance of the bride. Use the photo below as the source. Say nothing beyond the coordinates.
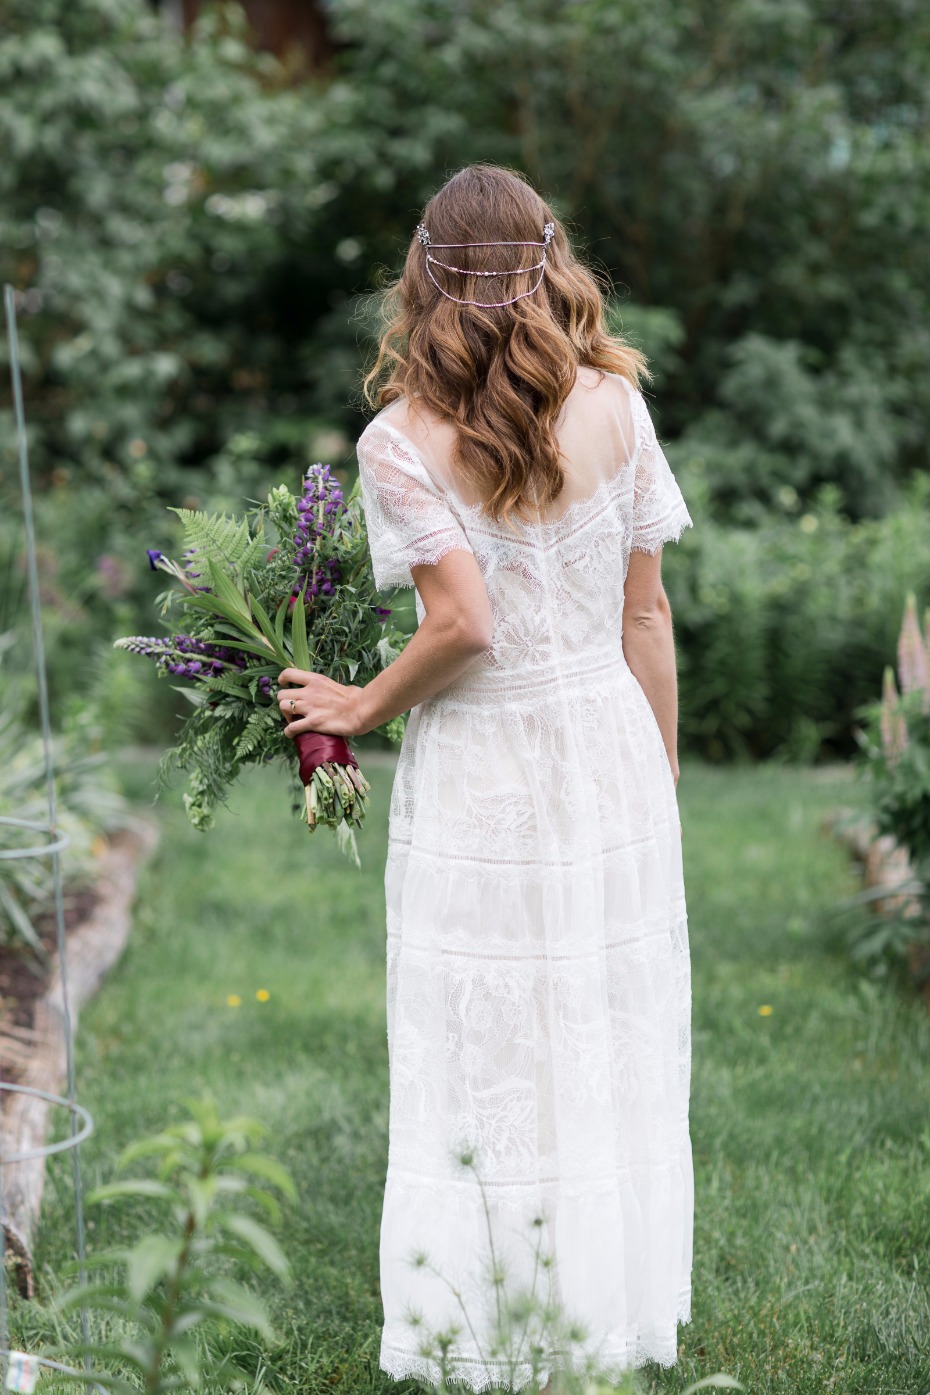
(538, 1207)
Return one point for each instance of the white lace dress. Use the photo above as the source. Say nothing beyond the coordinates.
(538, 985)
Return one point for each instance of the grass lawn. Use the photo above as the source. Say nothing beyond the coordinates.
(811, 1122)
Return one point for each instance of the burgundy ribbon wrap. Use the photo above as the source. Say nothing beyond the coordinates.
(313, 749)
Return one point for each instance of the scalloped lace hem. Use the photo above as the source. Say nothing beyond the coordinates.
(482, 1374)
(669, 532)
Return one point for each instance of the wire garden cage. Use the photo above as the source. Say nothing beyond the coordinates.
(19, 1370)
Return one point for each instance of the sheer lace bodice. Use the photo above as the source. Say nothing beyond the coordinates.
(556, 586)
(538, 970)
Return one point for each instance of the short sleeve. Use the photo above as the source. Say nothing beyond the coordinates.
(409, 519)
(660, 514)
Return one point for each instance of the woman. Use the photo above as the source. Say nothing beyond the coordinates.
(538, 961)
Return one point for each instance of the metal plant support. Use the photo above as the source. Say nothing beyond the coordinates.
(47, 841)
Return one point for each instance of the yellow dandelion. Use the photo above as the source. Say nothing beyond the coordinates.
(765, 1010)
(234, 1000)
(263, 995)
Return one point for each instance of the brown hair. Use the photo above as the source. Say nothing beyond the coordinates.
(499, 375)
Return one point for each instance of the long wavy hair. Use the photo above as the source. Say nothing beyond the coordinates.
(499, 375)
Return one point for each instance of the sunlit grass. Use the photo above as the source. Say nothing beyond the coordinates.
(256, 970)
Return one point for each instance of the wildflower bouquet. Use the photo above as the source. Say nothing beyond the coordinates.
(287, 585)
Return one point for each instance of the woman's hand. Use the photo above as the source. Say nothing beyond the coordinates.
(317, 703)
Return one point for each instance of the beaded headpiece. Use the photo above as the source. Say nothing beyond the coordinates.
(431, 261)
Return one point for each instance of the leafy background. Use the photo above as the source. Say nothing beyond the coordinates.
(196, 227)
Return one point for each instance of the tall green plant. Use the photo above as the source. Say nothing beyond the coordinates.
(895, 749)
(174, 1285)
(897, 742)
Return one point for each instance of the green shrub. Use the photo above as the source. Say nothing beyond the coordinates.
(896, 744)
(783, 630)
(88, 803)
(889, 925)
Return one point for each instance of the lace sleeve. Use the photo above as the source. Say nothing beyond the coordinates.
(660, 514)
(409, 519)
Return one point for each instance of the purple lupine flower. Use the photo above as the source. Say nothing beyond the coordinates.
(154, 557)
(151, 647)
(182, 654)
(317, 509)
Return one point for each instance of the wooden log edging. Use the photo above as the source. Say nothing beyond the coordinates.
(887, 867)
(93, 948)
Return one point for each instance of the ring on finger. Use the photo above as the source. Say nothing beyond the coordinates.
(293, 705)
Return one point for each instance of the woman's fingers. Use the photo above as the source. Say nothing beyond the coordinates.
(298, 725)
(300, 676)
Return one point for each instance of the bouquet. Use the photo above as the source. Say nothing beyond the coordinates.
(289, 584)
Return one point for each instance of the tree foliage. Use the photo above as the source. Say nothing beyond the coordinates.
(195, 237)
(190, 228)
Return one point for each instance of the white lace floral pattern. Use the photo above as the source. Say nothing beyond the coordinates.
(538, 982)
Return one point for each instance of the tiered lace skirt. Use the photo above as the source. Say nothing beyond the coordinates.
(539, 1190)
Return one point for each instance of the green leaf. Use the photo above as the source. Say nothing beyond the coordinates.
(230, 594)
(229, 1299)
(214, 606)
(279, 622)
(149, 1262)
(195, 696)
(20, 920)
(133, 1186)
(258, 1239)
(387, 652)
(268, 630)
(97, 1296)
(268, 1168)
(299, 644)
(239, 1186)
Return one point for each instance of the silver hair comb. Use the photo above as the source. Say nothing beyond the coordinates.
(429, 247)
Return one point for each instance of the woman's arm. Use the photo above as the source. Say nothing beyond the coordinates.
(649, 646)
(456, 628)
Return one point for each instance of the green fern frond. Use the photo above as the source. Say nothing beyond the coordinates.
(254, 553)
(223, 683)
(256, 731)
(217, 536)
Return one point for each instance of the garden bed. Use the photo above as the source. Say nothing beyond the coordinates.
(887, 868)
(24, 979)
(33, 1044)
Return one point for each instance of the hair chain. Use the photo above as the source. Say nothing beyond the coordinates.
(430, 261)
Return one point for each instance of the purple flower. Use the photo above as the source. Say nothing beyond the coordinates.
(318, 510)
(381, 613)
(154, 557)
(182, 654)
